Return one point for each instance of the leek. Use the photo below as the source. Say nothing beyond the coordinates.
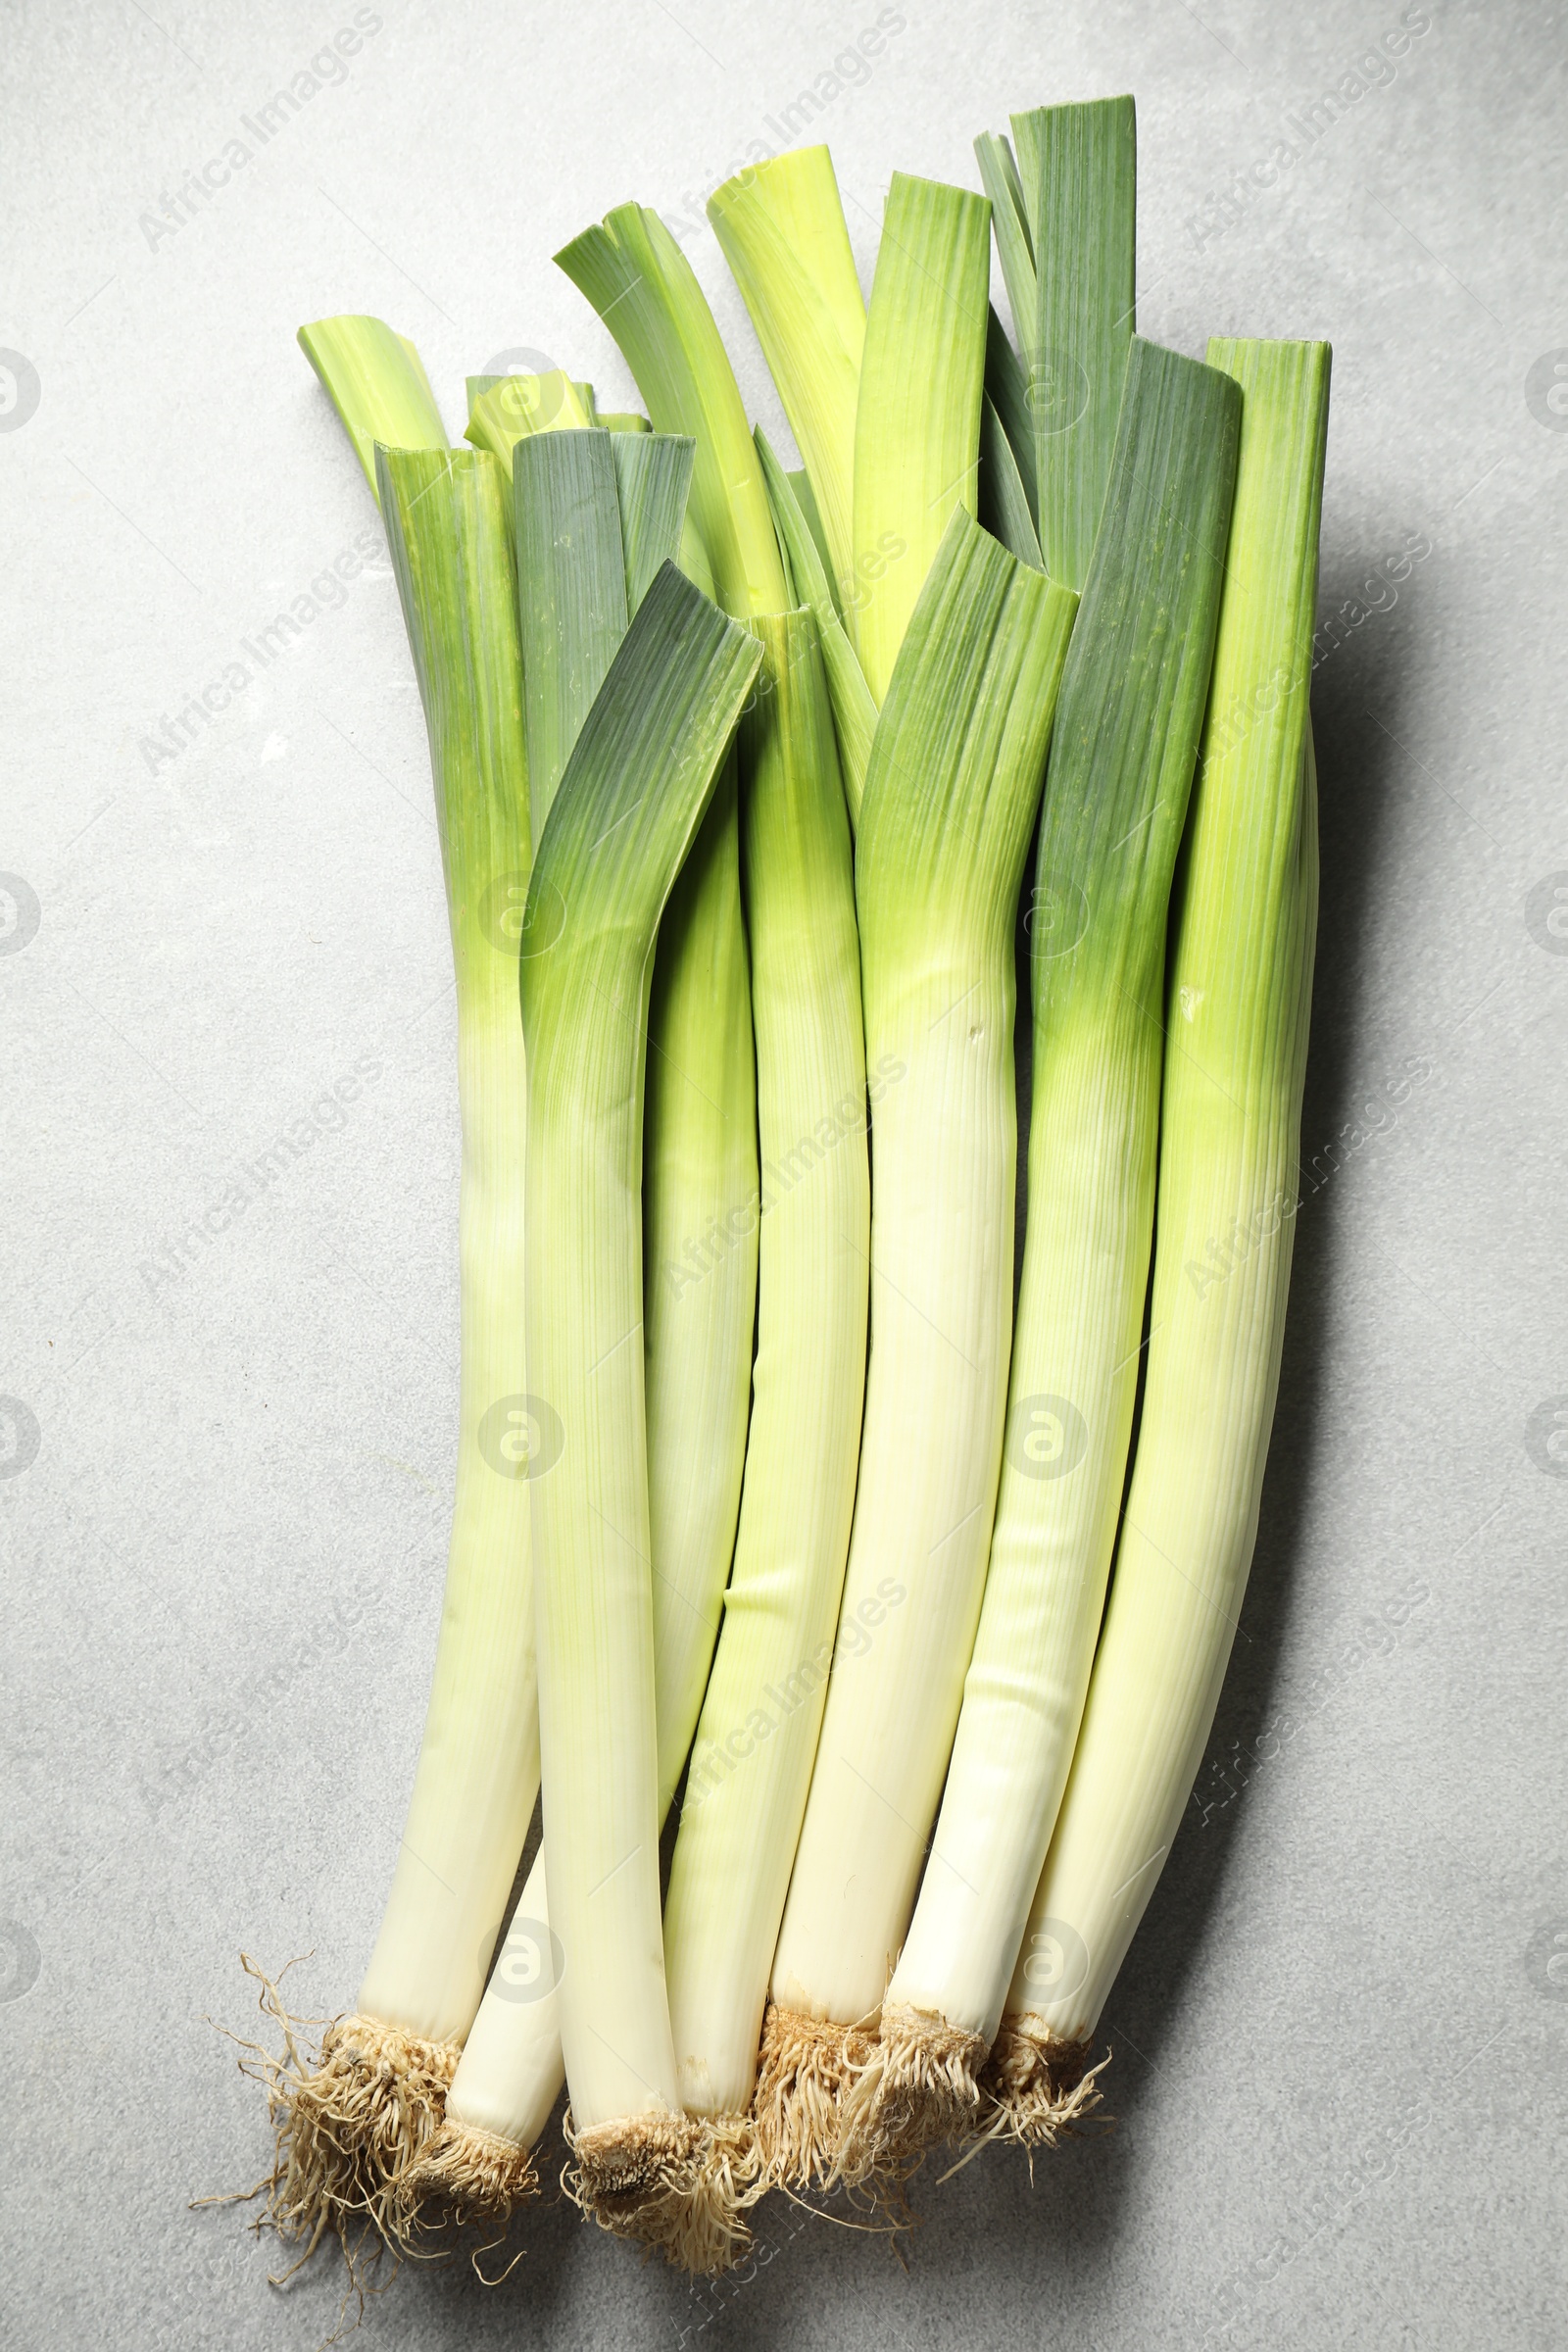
(593, 517)
(1236, 1011)
(1133, 691)
(700, 1175)
(478, 1771)
(950, 802)
(350, 2126)
(751, 1763)
(623, 818)
(606, 508)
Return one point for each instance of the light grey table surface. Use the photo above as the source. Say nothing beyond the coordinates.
(231, 1365)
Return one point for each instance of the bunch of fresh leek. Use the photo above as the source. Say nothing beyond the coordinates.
(737, 770)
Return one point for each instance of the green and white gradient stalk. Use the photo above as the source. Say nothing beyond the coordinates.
(699, 1184)
(1133, 695)
(701, 1176)
(623, 820)
(591, 515)
(477, 1776)
(751, 1763)
(949, 803)
(1237, 1014)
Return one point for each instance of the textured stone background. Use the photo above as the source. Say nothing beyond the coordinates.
(1339, 2038)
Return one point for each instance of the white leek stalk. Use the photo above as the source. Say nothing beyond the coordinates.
(950, 802)
(1237, 1012)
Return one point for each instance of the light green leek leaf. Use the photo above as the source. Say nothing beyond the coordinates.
(1004, 507)
(780, 226)
(515, 408)
(949, 803)
(917, 422)
(1237, 997)
(854, 710)
(375, 380)
(1078, 167)
(1007, 388)
(751, 1763)
(643, 287)
(620, 825)
(694, 560)
(800, 482)
(652, 479)
(1009, 218)
(477, 1776)
(623, 421)
(1128, 719)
